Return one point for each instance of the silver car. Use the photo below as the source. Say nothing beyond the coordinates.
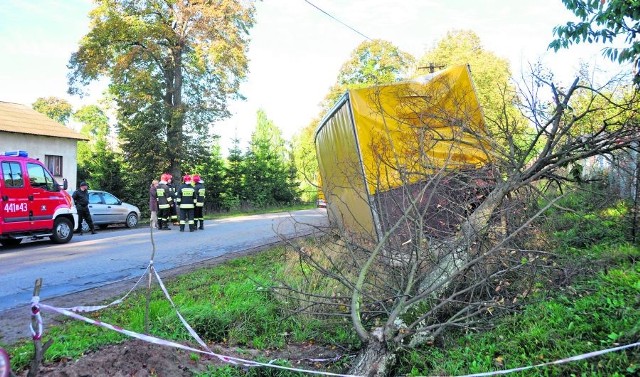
(106, 209)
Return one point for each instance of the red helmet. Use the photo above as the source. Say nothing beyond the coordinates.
(196, 178)
(165, 177)
(186, 178)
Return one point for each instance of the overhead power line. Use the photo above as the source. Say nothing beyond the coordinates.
(321, 10)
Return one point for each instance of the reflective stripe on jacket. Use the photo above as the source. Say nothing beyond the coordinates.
(164, 199)
(186, 196)
(200, 194)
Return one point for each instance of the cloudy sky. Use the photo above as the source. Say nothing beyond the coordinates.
(296, 50)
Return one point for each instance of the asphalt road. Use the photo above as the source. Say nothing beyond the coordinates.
(91, 261)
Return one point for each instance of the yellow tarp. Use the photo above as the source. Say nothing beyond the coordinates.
(382, 137)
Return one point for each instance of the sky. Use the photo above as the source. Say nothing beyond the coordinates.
(296, 50)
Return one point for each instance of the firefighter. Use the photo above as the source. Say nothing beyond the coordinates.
(198, 215)
(173, 216)
(186, 200)
(164, 202)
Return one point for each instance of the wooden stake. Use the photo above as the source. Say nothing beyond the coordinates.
(39, 348)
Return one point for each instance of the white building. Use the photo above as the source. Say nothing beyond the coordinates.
(22, 128)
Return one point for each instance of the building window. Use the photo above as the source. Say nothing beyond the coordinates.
(54, 164)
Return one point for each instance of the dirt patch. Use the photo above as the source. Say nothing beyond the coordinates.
(141, 359)
(138, 358)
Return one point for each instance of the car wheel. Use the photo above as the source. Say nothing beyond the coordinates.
(132, 220)
(10, 242)
(62, 230)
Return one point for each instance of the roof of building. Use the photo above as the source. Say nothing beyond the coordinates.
(21, 119)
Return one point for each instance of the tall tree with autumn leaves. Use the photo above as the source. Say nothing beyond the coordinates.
(172, 67)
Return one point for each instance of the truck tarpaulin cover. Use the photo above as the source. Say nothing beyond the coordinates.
(378, 138)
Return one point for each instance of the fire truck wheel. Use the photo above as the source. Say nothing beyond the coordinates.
(62, 230)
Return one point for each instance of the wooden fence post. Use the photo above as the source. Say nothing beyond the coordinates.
(36, 328)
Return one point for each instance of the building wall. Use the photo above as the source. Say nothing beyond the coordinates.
(39, 146)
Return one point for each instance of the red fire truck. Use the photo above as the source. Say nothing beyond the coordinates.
(32, 204)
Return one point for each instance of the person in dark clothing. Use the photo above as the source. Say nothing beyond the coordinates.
(198, 213)
(174, 207)
(81, 199)
(186, 202)
(164, 203)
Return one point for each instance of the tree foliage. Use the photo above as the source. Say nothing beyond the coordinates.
(55, 108)
(212, 171)
(99, 162)
(267, 173)
(371, 63)
(306, 163)
(602, 22)
(172, 66)
(234, 173)
(491, 73)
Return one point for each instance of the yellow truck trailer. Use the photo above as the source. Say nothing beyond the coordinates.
(382, 143)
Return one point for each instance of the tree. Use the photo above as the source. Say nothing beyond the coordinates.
(491, 76)
(234, 177)
(306, 163)
(172, 67)
(97, 158)
(55, 108)
(213, 174)
(602, 22)
(267, 173)
(452, 249)
(371, 63)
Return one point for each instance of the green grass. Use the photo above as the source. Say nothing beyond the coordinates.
(229, 304)
(599, 312)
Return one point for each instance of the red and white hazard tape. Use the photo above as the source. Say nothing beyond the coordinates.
(561, 361)
(194, 335)
(87, 309)
(36, 317)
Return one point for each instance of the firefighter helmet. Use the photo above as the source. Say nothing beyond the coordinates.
(186, 178)
(196, 178)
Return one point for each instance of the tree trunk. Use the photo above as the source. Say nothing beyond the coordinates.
(453, 253)
(375, 360)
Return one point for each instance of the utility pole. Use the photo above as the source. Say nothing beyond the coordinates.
(433, 66)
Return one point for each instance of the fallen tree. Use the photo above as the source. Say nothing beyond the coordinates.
(450, 246)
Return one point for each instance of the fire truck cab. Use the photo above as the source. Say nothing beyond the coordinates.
(32, 204)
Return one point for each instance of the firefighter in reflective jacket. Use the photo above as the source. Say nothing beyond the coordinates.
(186, 200)
(198, 215)
(164, 203)
(173, 217)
